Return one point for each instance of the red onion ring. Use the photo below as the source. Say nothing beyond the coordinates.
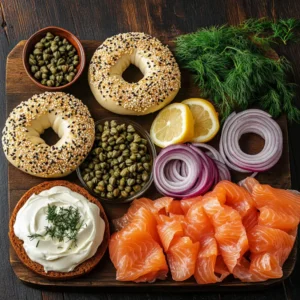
(254, 121)
(183, 171)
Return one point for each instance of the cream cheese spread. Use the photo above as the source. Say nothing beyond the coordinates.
(52, 254)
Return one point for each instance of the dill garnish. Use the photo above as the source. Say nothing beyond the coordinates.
(64, 224)
(231, 66)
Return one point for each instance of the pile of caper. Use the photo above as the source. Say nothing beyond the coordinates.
(119, 164)
(53, 61)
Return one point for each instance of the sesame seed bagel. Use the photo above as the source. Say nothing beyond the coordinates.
(17, 244)
(156, 89)
(68, 117)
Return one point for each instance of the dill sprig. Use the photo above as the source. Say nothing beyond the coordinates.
(232, 67)
(64, 224)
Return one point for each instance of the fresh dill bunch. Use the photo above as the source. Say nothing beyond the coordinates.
(232, 67)
(64, 224)
(266, 31)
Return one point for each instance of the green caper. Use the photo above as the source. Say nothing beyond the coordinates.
(44, 69)
(113, 131)
(32, 61)
(116, 193)
(71, 69)
(37, 51)
(69, 78)
(122, 146)
(145, 176)
(102, 157)
(86, 177)
(124, 194)
(129, 137)
(71, 53)
(146, 166)
(128, 162)
(39, 45)
(122, 181)
(38, 75)
(128, 189)
(44, 76)
(56, 55)
(130, 181)
(69, 47)
(75, 62)
(137, 188)
(100, 188)
(34, 69)
(44, 81)
(90, 184)
(136, 138)
(109, 188)
(124, 172)
(40, 63)
(52, 77)
(57, 38)
(64, 68)
(112, 180)
(109, 195)
(62, 49)
(59, 78)
(117, 174)
(64, 41)
(53, 70)
(60, 61)
(50, 83)
(54, 48)
(49, 36)
(126, 153)
(132, 168)
(130, 128)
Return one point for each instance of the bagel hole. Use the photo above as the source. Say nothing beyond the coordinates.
(251, 143)
(50, 136)
(132, 74)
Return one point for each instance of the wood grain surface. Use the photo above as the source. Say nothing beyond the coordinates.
(19, 87)
(96, 20)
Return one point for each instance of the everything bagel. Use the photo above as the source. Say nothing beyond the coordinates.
(156, 89)
(68, 117)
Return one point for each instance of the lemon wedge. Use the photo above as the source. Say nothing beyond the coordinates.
(206, 121)
(173, 125)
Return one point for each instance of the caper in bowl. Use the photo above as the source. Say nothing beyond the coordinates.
(53, 58)
(119, 166)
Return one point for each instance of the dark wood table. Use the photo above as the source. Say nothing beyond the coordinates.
(165, 19)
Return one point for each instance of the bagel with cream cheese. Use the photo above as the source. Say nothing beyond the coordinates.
(68, 117)
(156, 89)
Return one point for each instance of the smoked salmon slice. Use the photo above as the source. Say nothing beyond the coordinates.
(198, 225)
(264, 239)
(187, 203)
(168, 229)
(229, 231)
(251, 219)
(235, 196)
(182, 257)
(137, 257)
(206, 261)
(277, 219)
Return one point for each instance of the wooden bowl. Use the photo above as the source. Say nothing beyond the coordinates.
(36, 37)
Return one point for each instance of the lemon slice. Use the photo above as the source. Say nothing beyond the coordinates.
(206, 121)
(174, 124)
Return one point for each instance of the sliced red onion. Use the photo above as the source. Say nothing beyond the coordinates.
(183, 171)
(251, 121)
(213, 153)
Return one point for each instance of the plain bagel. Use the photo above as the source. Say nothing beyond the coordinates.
(156, 89)
(68, 117)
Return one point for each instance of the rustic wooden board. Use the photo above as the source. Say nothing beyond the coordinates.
(19, 88)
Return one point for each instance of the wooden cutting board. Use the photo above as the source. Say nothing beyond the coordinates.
(19, 88)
